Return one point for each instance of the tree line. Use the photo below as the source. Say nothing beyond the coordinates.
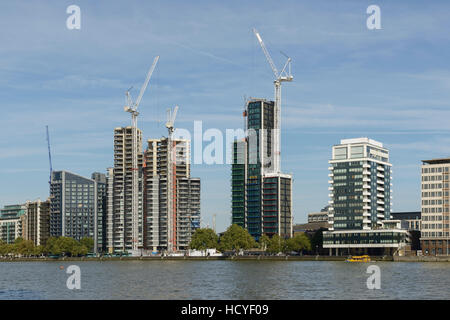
(56, 246)
(236, 238)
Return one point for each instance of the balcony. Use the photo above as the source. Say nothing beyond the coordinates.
(366, 165)
(366, 193)
(366, 207)
(366, 172)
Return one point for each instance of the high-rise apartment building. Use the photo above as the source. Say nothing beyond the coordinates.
(74, 205)
(360, 198)
(36, 222)
(435, 229)
(261, 197)
(101, 186)
(186, 195)
(122, 223)
(11, 222)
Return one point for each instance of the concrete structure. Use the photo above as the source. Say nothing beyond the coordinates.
(185, 193)
(11, 222)
(411, 218)
(435, 207)
(101, 186)
(122, 223)
(74, 207)
(360, 198)
(261, 196)
(36, 222)
(321, 216)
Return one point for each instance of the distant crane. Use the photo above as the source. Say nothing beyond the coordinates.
(171, 115)
(283, 76)
(132, 107)
(49, 156)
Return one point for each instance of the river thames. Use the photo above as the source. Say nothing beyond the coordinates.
(224, 280)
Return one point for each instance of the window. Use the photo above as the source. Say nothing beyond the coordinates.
(340, 153)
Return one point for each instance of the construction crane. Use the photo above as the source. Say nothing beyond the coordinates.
(49, 156)
(283, 76)
(171, 180)
(132, 107)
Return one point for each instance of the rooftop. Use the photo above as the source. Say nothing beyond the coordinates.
(437, 161)
(362, 140)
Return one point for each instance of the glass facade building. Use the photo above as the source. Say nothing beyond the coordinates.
(261, 198)
(360, 197)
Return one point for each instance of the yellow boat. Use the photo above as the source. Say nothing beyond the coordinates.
(364, 258)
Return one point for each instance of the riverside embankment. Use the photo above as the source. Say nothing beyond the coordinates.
(212, 258)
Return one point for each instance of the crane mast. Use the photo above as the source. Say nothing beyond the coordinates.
(132, 108)
(283, 76)
(49, 156)
(171, 181)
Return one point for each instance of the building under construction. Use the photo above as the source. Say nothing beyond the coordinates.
(161, 231)
(261, 193)
(261, 196)
(120, 203)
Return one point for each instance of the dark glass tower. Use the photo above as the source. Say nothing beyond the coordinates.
(261, 198)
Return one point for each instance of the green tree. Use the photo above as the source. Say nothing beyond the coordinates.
(53, 246)
(264, 242)
(4, 248)
(88, 243)
(38, 250)
(299, 242)
(68, 245)
(23, 247)
(236, 238)
(204, 238)
(276, 244)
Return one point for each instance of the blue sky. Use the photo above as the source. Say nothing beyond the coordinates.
(392, 85)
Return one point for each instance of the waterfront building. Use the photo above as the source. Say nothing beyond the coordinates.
(101, 186)
(185, 195)
(36, 222)
(412, 219)
(261, 194)
(321, 216)
(435, 207)
(11, 222)
(360, 199)
(121, 219)
(74, 207)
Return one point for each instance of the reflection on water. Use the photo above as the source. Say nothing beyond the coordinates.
(223, 280)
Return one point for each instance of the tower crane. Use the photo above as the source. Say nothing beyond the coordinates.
(171, 180)
(283, 76)
(49, 155)
(132, 107)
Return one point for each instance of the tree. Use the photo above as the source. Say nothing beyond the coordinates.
(23, 247)
(236, 238)
(203, 238)
(4, 248)
(38, 250)
(68, 245)
(298, 243)
(276, 244)
(88, 243)
(53, 246)
(264, 242)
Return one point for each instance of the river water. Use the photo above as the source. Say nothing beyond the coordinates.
(224, 280)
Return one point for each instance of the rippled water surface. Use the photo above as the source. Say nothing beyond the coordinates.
(223, 280)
